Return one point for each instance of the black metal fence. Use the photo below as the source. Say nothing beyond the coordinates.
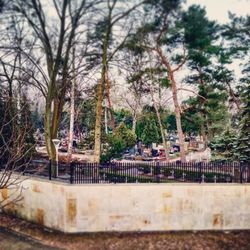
(159, 172)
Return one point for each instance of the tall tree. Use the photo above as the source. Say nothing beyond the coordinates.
(162, 34)
(144, 78)
(56, 42)
(72, 110)
(209, 105)
(134, 63)
(104, 36)
(150, 133)
(223, 146)
(237, 36)
(243, 141)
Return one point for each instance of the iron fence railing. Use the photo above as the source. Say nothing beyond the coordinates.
(159, 172)
(143, 172)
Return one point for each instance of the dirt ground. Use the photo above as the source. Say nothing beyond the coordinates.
(16, 234)
(10, 240)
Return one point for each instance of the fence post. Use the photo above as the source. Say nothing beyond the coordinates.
(50, 169)
(71, 173)
(200, 171)
(241, 171)
(158, 171)
(114, 165)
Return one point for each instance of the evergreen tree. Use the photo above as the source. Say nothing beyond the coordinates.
(238, 36)
(150, 133)
(223, 146)
(126, 135)
(117, 143)
(243, 141)
(148, 113)
(125, 116)
(208, 108)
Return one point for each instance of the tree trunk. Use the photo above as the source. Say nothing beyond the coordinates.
(232, 94)
(106, 118)
(55, 119)
(178, 117)
(134, 122)
(108, 87)
(48, 132)
(204, 136)
(72, 110)
(72, 119)
(161, 126)
(177, 108)
(97, 149)
(100, 90)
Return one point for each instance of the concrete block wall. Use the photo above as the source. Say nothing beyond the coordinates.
(134, 207)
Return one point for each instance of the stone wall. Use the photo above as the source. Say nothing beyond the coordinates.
(134, 207)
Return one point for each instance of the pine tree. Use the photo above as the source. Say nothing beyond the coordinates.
(223, 146)
(237, 36)
(150, 133)
(126, 135)
(243, 142)
(207, 109)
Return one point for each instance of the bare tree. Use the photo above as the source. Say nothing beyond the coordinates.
(115, 12)
(137, 88)
(15, 151)
(54, 38)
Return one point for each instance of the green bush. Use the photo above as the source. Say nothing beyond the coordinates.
(117, 143)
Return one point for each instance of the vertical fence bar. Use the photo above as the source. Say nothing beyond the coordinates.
(83, 172)
(98, 176)
(158, 171)
(247, 173)
(80, 172)
(241, 171)
(247, 167)
(78, 168)
(130, 166)
(124, 172)
(204, 168)
(75, 173)
(91, 169)
(95, 172)
(199, 165)
(196, 169)
(92, 172)
(233, 172)
(50, 169)
(71, 173)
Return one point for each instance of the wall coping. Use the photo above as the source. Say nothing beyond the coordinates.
(57, 182)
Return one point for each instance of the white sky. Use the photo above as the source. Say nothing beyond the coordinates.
(218, 9)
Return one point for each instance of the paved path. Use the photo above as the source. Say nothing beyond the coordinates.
(10, 240)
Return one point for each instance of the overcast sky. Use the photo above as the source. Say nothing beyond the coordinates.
(218, 9)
